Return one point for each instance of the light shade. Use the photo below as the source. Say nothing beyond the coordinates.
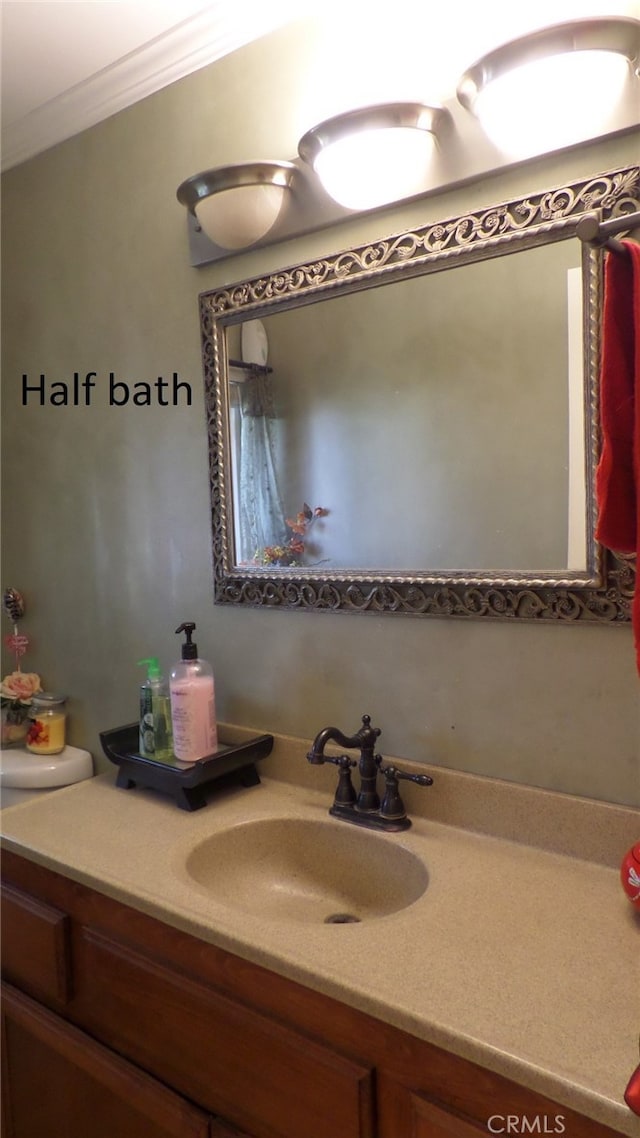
(237, 205)
(553, 87)
(374, 155)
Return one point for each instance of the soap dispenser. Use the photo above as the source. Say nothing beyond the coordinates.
(155, 713)
(193, 708)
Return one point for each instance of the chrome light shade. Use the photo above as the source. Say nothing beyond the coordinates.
(547, 88)
(237, 206)
(374, 155)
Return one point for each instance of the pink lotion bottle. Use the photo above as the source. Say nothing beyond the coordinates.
(193, 705)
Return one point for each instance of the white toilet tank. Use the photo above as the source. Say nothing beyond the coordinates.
(24, 775)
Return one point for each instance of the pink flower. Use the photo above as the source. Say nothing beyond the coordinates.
(20, 686)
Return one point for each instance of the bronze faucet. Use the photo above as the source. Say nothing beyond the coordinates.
(365, 807)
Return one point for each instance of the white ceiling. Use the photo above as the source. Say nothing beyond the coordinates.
(68, 64)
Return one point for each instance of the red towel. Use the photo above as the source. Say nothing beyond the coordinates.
(618, 473)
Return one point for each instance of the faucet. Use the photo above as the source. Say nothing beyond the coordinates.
(364, 808)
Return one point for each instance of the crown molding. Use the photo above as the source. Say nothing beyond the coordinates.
(195, 42)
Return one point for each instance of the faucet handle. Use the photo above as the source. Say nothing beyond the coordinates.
(345, 793)
(394, 773)
(392, 804)
(342, 761)
(420, 779)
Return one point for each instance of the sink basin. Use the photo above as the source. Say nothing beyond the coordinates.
(306, 870)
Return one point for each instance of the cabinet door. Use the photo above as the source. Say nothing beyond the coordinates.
(36, 949)
(58, 1081)
(428, 1120)
(412, 1115)
(221, 1129)
(236, 1062)
(405, 1112)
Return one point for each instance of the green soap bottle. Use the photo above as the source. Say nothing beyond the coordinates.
(156, 738)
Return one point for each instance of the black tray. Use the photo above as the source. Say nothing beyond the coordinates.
(188, 783)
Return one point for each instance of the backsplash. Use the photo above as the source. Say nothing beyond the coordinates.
(560, 823)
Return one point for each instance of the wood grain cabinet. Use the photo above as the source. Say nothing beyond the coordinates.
(116, 1025)
(59, 1081)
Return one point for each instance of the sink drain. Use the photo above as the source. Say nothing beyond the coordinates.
(342, 919)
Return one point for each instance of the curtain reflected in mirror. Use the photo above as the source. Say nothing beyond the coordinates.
(255, 447)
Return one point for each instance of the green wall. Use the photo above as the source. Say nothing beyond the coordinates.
(106, 510)
(417, 415)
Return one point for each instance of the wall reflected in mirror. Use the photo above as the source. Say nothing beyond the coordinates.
(440, 423)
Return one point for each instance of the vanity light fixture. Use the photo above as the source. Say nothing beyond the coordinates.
(554, 86)
(374, 155)
(237, 205)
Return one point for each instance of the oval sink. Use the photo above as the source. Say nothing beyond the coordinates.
(306, 870)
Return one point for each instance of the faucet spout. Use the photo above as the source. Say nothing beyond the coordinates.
(365, 738)
(327, 735)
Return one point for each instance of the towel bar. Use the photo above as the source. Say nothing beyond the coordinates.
(256, 369)
(595, 232)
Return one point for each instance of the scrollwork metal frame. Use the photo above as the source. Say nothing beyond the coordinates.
(603, 594)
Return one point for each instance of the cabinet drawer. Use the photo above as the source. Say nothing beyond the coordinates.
(259, 1074)
(36, 946)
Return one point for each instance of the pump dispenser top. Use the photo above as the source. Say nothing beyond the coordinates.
(189, 650)
(192, 702)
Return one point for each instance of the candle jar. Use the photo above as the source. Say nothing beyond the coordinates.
(46, 735)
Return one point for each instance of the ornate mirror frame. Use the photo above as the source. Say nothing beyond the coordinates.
(603, 593)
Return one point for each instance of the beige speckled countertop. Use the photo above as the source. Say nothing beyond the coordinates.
(522, 959)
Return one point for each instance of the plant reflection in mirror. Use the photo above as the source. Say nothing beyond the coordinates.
(297, 546)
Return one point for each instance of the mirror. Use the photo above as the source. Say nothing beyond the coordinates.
(414, 440)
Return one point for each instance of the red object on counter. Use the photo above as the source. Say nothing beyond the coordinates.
(630, 875)
(630, 878)
(632, 1093)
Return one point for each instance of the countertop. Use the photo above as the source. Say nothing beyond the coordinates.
(518, 958)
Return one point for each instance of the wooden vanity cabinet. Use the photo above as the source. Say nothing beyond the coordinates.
(118, 1026)
(59, 1081)
(98, 989)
